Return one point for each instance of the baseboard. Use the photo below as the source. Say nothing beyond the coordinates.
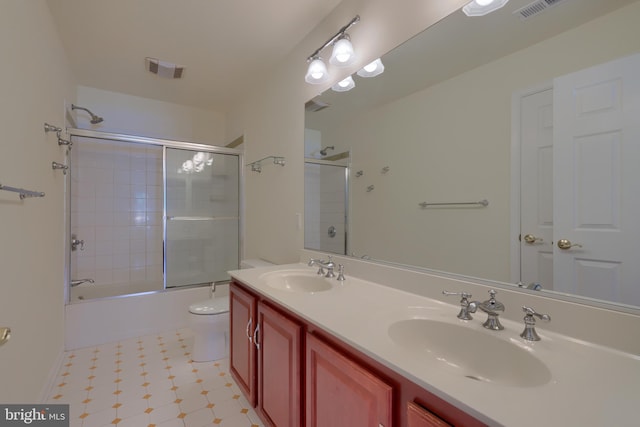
(51, 378)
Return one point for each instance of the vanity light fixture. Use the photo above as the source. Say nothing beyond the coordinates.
(372, 69)
(344, 85)
(483, 7)
(317, 72)
(342, 55)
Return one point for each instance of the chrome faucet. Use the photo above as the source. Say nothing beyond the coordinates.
(493, 309)
(329, 265)
(529, 332)
(77, 282)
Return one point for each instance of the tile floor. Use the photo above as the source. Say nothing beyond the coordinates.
(149, 381)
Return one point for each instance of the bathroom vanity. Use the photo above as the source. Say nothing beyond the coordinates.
(277, 357)
(314, 351)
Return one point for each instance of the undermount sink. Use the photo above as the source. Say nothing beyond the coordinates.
(470, 353)
(297, 281)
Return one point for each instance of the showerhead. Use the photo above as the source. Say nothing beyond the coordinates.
(324, 150)
(94, 119)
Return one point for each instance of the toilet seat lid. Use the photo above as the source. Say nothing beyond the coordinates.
(210, 306)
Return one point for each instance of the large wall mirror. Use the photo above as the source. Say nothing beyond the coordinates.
(474, 110)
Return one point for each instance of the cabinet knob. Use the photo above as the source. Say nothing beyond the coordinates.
(248, 329)
(256, 331)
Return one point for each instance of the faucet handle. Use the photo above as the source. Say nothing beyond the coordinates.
(529, 332)
(317, 262)
(463, 295)
(465, 307)
(341, 273)
(530, 312)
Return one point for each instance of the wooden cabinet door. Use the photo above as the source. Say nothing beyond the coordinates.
(417, 416)
(279, 360)
(242, 363)
(341, 393)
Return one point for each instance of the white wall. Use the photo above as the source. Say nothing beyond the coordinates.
(37, 86)
(35, 81)
(133, 115)
(451, 142)
(272, 120)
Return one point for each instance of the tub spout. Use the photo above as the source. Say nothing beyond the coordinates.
(77, 282)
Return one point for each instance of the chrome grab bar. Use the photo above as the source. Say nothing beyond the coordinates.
(23, 193)
(483, 203)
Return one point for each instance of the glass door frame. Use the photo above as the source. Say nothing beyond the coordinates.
(347, 198)
(170, 218)
(166, 143)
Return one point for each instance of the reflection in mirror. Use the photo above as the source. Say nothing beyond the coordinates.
(461, 114)
(326, 185)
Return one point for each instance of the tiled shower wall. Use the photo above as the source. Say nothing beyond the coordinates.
(116, 208)
(325, 205)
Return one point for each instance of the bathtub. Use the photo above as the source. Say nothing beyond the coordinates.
(87, 291)
(92, 322)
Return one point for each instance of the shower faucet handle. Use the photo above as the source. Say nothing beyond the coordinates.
(75, 243)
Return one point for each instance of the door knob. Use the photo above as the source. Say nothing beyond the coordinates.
(565, 244)
(531, 239)
(5, 334)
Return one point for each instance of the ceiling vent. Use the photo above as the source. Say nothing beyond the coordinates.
(535, 8)
(163, 68)
(314, 105)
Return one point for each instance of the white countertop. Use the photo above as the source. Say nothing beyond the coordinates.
(590, 385)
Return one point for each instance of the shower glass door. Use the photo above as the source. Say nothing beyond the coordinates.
(202, 222)
(325, 206)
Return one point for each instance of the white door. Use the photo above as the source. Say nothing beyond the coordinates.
(596, 175)
(536, 189)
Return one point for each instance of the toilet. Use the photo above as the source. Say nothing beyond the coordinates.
(209, 321)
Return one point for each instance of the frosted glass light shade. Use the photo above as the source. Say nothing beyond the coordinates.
(372, 69)
(344, 85)
(343, 53)
(482, 7)
(317, 72)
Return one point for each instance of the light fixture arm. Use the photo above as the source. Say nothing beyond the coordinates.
(338, 35)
